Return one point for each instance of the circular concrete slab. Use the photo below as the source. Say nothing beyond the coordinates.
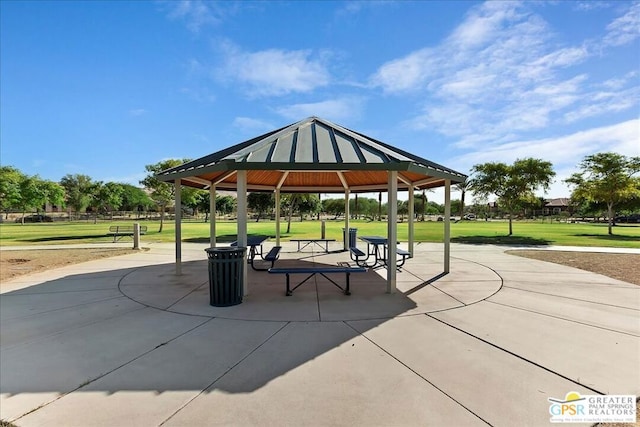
(421, 288)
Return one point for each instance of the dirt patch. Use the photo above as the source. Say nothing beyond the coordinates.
(18, 263)
(618, 266)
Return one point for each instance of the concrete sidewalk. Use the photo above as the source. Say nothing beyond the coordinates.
(123, 341)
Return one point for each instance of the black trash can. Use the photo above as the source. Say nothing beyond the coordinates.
(351, 238)
(226, 281)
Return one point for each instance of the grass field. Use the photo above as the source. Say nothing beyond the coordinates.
(474, 232)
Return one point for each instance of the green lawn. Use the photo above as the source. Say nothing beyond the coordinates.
(474, 232)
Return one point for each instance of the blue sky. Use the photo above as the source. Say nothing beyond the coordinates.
(104, 88)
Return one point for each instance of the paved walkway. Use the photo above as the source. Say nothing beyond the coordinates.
(123, 341)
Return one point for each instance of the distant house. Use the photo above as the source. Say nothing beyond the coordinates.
(556, 206)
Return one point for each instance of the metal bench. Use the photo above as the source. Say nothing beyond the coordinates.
(120, 231)
(356, 255)
(404, 254)
(312, 271)
(272, 256)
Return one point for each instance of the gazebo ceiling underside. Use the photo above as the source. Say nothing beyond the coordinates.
(312, 155)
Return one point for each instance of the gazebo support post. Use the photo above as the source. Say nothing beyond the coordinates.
(212, 215)
(346, 219)
(392, 230)
(178, 225)
(277, 201)
(242, 222)
(411, 220)
(447, 225)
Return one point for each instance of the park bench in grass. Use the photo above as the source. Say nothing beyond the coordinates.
(317, 242)
(323, 271)
(120, 231)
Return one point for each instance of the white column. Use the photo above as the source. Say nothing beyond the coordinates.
(178, 225)
(277, 217)
(392, 230)
(212, 215)
(242, 221)
(411, 220)
(346, 219)
(447, 224)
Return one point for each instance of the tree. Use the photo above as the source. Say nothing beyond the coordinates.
(462, 188)
(134, 199)
(106, 197)
(301, 203)
(35, 192)
(607, 178)
(225, 204)
(10, 179)
(78, 191)
(163, 193)
(333, 207)
(513, 184)
(260, 203)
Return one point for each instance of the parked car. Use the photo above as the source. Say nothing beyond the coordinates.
(35, 218)
(633, 218)
(469, 217)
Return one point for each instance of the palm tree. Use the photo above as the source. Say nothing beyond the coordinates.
(462, 187)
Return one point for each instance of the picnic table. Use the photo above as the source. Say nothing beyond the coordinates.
(254, 243)
(317, 242)
(377, 247)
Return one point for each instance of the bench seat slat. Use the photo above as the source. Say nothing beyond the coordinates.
(309, 270)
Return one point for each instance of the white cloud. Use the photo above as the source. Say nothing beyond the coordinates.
(624, 29)
(274, 72)
(195, 13)
(137, 112)
(562, 151)
(339, 109)
(502, 73)
(250, 125)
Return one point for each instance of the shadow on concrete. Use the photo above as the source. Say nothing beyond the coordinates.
(500, 240)
(81, 333)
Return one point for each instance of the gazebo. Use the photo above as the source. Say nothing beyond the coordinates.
(314, 156)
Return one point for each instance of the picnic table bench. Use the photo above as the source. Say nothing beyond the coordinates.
(314, 241)
(312, 271)
(120, 231)
(378, 248)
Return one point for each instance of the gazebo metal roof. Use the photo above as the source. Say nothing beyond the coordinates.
(312, 155)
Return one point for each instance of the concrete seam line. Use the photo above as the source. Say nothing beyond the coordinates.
(449, 295)
(415, 372)
(572, 298)
(223, 374)
(70, 307)
(86, 383)
(515, 355)
(186, 295)
(563, 318)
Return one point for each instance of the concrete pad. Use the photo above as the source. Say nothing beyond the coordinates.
(601, 359)
(266, 302)
(37, 372)
(325, 378)
(13, 306)
(25, 329)
(499, 388)
(619, 319)
(469, 292)
(140, 395)
(612, 294)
